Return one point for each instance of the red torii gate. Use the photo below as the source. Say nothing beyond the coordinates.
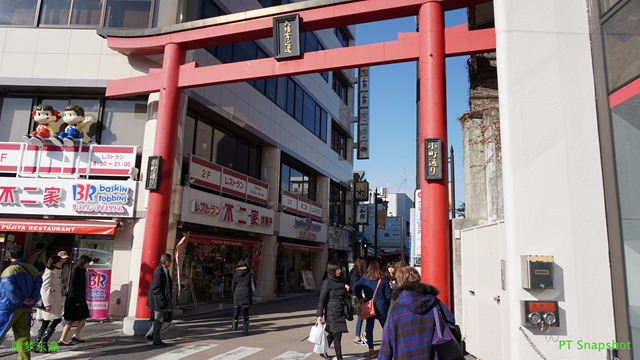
(429, 46)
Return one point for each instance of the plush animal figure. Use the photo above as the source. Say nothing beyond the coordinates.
(75, 120)
(44, 115)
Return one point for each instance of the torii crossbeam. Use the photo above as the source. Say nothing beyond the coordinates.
(429, 47)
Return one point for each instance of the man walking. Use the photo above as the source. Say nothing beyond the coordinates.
(159, 299)
(20, 286)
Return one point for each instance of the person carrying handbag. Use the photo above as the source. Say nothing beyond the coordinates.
(359, 268)
(371, 280)
(409, 331)
(331, 306)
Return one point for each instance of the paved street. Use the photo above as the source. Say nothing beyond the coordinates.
(278, 330)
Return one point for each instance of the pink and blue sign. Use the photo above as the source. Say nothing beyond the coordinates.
(98, 293)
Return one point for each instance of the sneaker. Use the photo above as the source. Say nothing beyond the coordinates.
(360, 342)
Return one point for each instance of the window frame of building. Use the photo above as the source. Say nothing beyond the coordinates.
(307, 181)
(72, 12)
(54, 13)
(619, 45)
(337, 204)
(11, 128)
(341, 86)
(342, 34)
(338, 140)
(224, 147)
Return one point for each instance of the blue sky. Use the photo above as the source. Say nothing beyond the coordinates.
(392, 157)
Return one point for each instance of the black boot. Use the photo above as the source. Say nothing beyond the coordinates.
(245, 328)
(234, 325)
(41, 333)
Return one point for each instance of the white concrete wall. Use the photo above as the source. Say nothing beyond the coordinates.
(62, 57)
(553, 191)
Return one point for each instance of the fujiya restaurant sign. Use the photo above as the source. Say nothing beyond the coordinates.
(70, 197)
(215, 177)
(209, 209)
(304, 229)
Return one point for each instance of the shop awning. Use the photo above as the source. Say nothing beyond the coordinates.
(58, 226)
(301, 247)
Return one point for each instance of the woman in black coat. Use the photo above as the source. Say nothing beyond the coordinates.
(241, 288)
(331, 305)
(75, 305)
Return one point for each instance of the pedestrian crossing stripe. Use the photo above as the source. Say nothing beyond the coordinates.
(292, 355)
(237, 353)
(184, 352)
(67, 354)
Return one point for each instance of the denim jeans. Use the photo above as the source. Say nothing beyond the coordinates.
(369, 328)
(358, 326)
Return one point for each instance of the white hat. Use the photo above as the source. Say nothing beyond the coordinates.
(63, 254)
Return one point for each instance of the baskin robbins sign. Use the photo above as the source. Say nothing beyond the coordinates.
(302, 228)
(69, 197)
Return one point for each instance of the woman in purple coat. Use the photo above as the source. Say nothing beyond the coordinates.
(409, 329)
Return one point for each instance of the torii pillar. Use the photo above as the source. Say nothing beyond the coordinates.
(434, 212)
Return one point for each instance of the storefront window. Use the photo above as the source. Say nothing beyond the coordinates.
(128, 14)
(90, 106)
(15, 118)
(98, 248)
(621, 43)
(626, 137)
(123, 122)
(17, 12)
(208, 269)
(291, 264)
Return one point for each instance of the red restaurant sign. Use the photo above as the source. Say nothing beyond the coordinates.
(58, 226)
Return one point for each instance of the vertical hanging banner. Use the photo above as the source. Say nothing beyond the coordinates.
(286, 36)
(363, 113)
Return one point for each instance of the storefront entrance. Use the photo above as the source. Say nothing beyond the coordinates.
(209, 264)
(293, 264)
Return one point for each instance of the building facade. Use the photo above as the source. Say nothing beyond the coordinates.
(568, 88)
(262, 168)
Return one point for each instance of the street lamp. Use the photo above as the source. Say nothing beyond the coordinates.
(375, 224)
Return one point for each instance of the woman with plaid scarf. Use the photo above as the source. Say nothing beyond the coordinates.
(409, 329)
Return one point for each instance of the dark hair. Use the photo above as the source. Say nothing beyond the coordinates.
(361, 265)
(16, 251)
(54, 259)
(82, 260)
(373, 271)
(76, 108)
(164, 258)
(45, 107)
(332, 266)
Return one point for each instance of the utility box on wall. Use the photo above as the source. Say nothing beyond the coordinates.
(537, 272)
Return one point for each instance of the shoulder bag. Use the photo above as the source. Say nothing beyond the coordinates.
(367, 308)
(443, 341)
